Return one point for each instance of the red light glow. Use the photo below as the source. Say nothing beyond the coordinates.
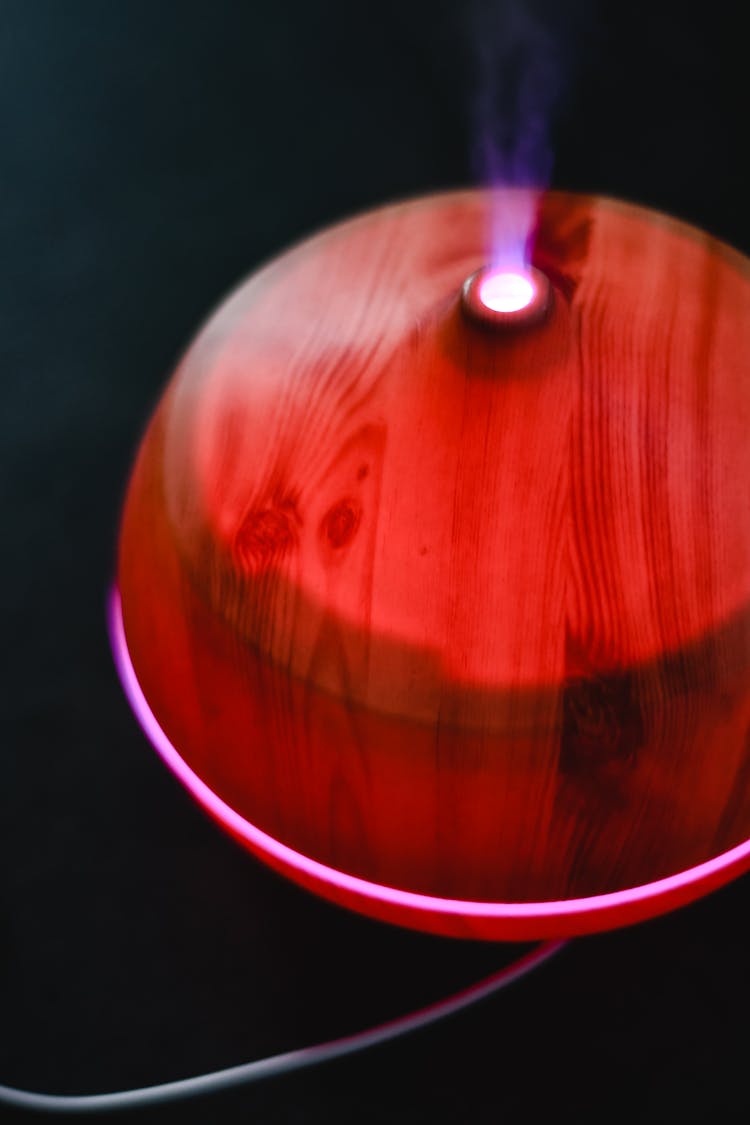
(507, 292)
(509, 921)
(443, 611)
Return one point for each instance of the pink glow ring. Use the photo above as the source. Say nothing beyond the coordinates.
(507, 299)
(505, 921)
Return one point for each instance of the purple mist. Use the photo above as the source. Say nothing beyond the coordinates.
(517, 85)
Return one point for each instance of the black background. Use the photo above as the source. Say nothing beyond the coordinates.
(151, 155)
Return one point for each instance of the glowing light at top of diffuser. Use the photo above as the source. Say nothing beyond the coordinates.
(507, 292)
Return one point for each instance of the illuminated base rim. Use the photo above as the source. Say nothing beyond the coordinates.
(512, 921)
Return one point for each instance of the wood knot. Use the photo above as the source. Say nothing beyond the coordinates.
(602, 724)
(562, 240)
(339, 525)
(266, 535)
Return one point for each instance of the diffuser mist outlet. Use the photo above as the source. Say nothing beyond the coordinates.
(450, 624)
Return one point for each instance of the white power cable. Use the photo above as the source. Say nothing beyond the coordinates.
(284, 1063)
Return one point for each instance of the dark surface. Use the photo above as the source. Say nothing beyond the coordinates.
(151, 156)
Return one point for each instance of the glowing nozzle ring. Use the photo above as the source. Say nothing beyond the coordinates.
(507, 299)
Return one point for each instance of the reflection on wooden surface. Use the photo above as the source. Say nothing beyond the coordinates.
(461, 614)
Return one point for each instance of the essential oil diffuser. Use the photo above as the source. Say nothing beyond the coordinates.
(438, 597)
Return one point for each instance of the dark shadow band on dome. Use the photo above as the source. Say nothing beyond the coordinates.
(511, 921)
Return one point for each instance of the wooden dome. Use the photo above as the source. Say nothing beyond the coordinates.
(461, 616)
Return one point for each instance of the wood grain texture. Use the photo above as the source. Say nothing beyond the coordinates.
(460, 613)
